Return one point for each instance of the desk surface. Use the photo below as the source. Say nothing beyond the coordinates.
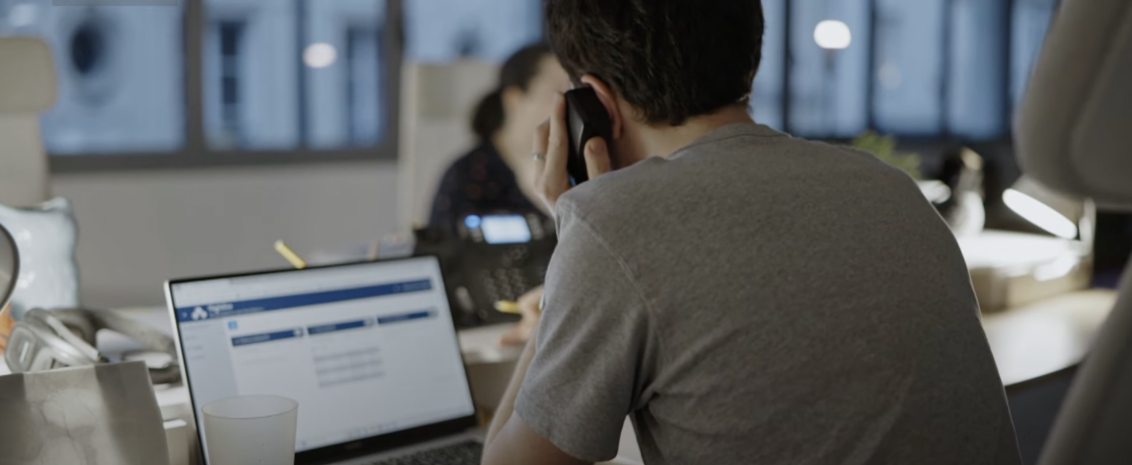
(1028, 341)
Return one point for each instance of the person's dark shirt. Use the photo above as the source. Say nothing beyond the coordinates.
(479, 183)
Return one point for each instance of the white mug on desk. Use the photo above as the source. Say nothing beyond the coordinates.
(251, 430)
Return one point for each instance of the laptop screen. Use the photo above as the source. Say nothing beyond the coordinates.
(366, 349)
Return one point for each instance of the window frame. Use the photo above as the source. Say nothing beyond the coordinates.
(946, 136)
(195, 152)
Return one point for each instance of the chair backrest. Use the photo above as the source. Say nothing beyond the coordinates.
(27, 88)
(1074, 134)
(1073, 129)
(436, 114)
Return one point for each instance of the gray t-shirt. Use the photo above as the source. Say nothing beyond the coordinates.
(760, 299)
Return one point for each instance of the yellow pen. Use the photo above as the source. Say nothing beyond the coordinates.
(290, 255)
(511, 307)
(508, 307)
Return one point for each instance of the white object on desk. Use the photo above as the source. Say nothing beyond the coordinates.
(251, 429)
(180, 438)
(1011, 270)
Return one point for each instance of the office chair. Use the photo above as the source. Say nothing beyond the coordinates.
(1074, 135)
(27, 88)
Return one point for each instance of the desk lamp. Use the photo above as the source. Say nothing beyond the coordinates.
(1055, 213)
(1010, 268)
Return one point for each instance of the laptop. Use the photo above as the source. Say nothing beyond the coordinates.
(368, 350)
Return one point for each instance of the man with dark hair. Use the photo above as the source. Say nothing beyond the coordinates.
(743, 296)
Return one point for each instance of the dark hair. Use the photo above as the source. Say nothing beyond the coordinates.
(518, 71)
(671, 59)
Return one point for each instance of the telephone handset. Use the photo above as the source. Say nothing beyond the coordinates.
(586, 118)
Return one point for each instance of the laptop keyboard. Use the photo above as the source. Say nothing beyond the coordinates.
(465, 453)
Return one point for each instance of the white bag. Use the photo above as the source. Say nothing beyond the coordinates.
(98, 415)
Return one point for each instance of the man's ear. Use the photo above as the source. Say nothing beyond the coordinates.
(605, 94)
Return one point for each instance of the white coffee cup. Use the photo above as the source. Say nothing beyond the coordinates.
(251, 430)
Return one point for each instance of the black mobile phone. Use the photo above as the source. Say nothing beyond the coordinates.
(586, 118)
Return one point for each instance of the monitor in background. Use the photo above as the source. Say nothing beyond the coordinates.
(366, 349)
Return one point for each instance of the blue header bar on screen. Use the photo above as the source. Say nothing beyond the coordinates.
(267, 337)
(335, 327)
(388, 320)
(229, 309)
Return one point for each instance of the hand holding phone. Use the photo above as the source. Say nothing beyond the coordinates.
(561, 148)
(586, 118)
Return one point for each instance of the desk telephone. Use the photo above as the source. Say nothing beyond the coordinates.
(501, 257)
(488, 259)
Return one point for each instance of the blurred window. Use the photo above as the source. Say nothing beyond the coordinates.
(934, 69)
(207, 82)
(445, 30)
(289, 74)
(120, 73)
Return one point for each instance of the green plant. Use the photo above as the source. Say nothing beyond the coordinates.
(884, 148)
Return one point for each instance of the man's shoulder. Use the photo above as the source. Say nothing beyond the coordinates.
(751, 155)
(614, 195)
(816, 156)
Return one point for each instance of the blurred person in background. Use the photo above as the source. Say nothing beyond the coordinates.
(495, 176)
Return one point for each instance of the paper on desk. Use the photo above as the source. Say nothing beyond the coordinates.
(101, 415)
